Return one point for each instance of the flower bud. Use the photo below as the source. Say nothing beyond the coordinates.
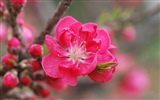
(8, 60)
(18, 2)
(10, 80)
(25, 80)
(129, 34)
(13, 43)
(35, 65)
(36, 50)
(44, 92)
(13, 46)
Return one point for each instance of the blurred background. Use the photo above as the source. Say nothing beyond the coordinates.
(134, 26)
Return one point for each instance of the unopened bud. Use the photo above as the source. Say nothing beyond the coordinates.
(10, 80)
(36, 50)
(8, 60)
(35, 66)
(44, 92)
(13, 46)
(25, 80)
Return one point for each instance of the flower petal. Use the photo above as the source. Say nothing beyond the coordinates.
(64, 23)
(66, 37)
(105, 40)
(93, 45)
(88, 65)
(53, 46)
(50, 65)
(106, 57)
(69, 73)
(91, 28)
(103, 76)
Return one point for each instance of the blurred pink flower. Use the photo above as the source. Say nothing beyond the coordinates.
(135, 82)
(27, 35)
(129, 33)
(3, 32)
(75, 50)
(126, 61)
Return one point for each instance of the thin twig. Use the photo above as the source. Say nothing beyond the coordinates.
(12, 20)
(62, 7)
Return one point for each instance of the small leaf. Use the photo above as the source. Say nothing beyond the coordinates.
(106, 66)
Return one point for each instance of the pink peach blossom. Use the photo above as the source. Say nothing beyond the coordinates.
(126, 62)
(129, 33)
(3, 32)
(135, 82)
(75, 50)
(27, 35)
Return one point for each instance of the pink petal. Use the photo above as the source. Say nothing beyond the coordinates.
(111, 46)
(93, 45)
(105, 40)
(69, 73)
(53, 46)
(50, 65)
(64, 23)
(102, 77)
(106, 57)
(90, 27)
(66, 37)
(88, 65)
(75, 27)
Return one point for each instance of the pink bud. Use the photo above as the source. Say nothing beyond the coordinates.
(10, 80)
(3, 32)
(8, 60)
(35, 65)
(18, 2)
(13, 46)
(44, 92)
(13, 43)
(129, 34)
(36, 50)
(25, 80)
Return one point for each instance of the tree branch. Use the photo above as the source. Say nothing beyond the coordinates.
(62, 7)
(14, 11)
